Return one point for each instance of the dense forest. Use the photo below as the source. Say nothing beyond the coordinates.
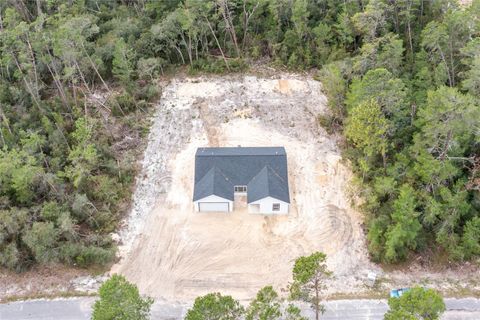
(402, 78)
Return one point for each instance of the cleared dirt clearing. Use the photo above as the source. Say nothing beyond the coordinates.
(174, 253)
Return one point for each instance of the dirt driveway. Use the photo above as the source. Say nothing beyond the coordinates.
(177, 254)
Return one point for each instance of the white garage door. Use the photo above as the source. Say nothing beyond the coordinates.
(213, 206)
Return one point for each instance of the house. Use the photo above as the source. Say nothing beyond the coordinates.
(259, 173)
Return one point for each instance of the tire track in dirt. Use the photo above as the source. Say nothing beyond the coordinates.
(170, 131)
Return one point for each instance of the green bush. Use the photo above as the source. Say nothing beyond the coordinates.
(84, 256)
(42, 239)
(417, 303)
(215, 306)
(471, 238)
(122, 103)
(51, 211)
(120, 300)
(147, 93)
(328, 123)
(10, 256)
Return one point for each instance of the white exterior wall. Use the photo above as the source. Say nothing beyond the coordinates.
(266, 205)
(213, 198)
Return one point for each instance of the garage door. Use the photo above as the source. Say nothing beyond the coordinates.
(213, 206)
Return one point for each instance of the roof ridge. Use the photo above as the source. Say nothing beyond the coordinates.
(268, 180)
(221, 172)
(275, 172)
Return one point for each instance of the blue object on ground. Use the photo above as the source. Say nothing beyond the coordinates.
(396, 293)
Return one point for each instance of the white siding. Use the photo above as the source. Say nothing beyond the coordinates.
(213, 206)
(266, 206)
(213, 199)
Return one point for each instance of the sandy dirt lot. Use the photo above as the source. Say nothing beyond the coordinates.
(173, 253)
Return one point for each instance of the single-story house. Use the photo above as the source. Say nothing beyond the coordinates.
(260, 173)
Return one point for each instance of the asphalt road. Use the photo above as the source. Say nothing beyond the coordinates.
(80, 309)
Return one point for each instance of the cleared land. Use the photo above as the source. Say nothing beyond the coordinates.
(174, 253)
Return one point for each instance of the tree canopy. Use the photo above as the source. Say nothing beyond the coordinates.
(120, 300)
(402, 81)
(309, 274)
(416, 304)
(215, 306)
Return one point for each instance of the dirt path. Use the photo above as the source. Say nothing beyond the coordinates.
(180, 254)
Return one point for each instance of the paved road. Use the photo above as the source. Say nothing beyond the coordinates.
(80, 308)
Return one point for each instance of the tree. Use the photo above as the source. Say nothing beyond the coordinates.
(12, 224)
(445, 212)
(389, 92)
(309, 274)
(447, 123)
(472, 78)
(64, 159)
(120, 300)
(371, 22)
(214, 306)
(403, 232)
(266, 306)
(148, 68)
(368, 129)
(335, 88)
(416, 304)
(443, 41)
(122, 62)
(41, 239)
(300, 15)
(471, 238)
(19, 174)
(384, 52)
(83, 156)
(293, 312)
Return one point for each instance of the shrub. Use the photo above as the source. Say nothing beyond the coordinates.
(120, 300)
(214, 306)
(41, 239)
(122, 103)
(84, 256)
(417, 303)
(51, 211)
(9, 256)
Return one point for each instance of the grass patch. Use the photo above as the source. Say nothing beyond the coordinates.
(54, 295)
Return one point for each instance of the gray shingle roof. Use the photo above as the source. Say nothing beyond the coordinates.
(241, 151)
(263, 170)
(213, 182)
(267, 183)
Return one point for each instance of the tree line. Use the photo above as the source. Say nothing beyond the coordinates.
(402, 80)
(408, 104)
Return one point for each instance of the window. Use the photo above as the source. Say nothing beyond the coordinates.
(240, 188)
(276, 207)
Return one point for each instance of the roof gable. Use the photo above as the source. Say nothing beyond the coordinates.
(213, 183)
(267, 183)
